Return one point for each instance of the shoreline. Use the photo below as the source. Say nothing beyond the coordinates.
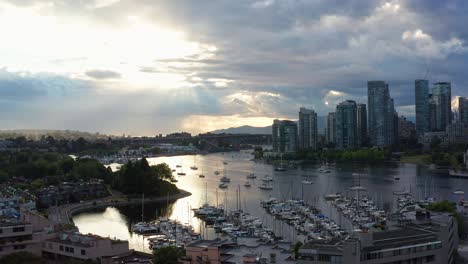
(67, 212)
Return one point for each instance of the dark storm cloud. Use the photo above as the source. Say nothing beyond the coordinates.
(103, 74)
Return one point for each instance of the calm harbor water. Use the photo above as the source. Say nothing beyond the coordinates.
(377, 179)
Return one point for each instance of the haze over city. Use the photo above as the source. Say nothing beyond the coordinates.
(148, 67)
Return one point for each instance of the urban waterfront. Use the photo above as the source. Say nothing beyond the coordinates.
(378, 179)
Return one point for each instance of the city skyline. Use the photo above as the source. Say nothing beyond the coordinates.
(150, 67)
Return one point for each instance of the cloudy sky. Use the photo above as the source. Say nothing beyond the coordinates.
(144, 67)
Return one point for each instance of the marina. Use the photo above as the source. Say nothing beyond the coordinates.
(386, 194)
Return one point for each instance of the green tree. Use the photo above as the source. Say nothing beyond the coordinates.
(168, 255)
(297, 246)
(22, 258)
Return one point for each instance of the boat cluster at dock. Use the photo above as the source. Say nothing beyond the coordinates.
(362, 211)
(305, 219)
(235, 224)
(166, 232)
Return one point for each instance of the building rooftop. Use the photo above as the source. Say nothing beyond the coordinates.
(81, 240)
(333, 246)
(11, 221)
(209, 243)
(401, 235)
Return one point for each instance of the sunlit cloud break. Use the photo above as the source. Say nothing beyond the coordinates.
(149, 67)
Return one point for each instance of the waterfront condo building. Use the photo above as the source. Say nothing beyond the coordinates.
(284, 136)
(331, 128)
(346, 125)
(381, 114)
(421, 94)
(463, 109)
(361, 121)
(442, 103)
(307, 129)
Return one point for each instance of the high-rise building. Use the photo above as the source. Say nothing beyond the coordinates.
(361, 120)
(442, 98)
(381, 114)
(421, 93)
(463, 109)
(284, 136)
(331, 128)
(432, 113)
(406, 128)
(346, 125)
(307, 129)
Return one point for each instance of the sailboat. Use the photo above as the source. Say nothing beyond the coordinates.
(307, 182)
(181, 172)
(216, 172)
(193, 167)
(251, 175)
(265, 186)
(281, 166)
(201, 175)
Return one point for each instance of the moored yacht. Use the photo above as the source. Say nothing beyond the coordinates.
(265, 186)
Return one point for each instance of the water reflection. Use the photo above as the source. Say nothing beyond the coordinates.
(378, 179)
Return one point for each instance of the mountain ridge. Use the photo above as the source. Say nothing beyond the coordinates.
(244, 130)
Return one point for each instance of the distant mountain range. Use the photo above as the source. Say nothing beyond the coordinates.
(265, 130)
(244, 130)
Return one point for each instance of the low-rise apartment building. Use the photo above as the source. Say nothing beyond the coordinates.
(74, 245)
(18, 236)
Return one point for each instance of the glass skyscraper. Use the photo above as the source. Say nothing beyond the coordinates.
(307, 128)
(361, 120)
(381, 114)
(421, 93)
(463, 109)
(331, 128)
(346, 125)
(442, 98)
(284, 136)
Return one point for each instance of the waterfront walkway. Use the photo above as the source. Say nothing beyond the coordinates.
(63, 214)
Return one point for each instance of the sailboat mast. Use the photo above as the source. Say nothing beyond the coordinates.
(143, 208)
(206, 192)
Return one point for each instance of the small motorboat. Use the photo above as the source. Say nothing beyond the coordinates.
(247, 184)
(265, 186)
(225, 179)
(267, 178)
(251, 176)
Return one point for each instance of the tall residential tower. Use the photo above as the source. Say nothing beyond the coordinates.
(284, 136)
(421, 93)
(307, 129)
(361, 120)
(346, 125)
(381, 114)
